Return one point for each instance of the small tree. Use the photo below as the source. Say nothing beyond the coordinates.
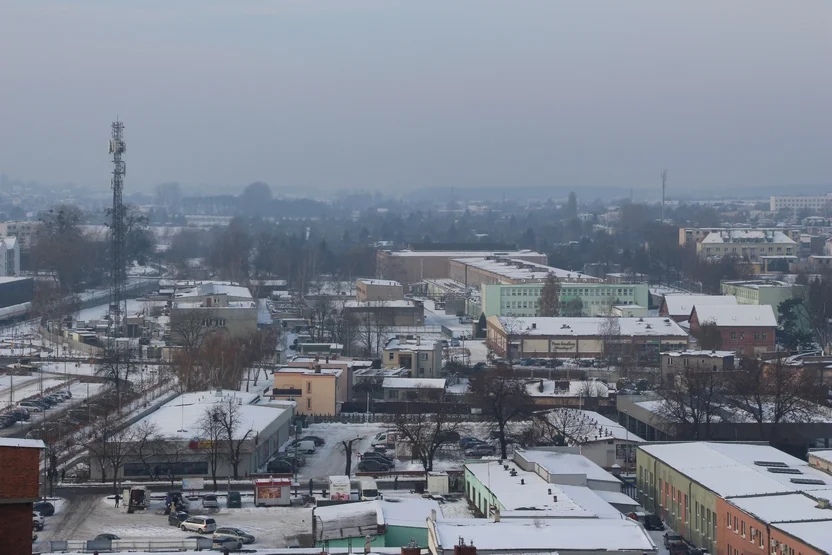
(428, 432)
(230, 420)
(709, 337)
(549, 303)
(502, 396)
(211, 436)
(690, 403)
(610, 331)
(147, 446)
(559, 426)
(117, 365)
(346, 448)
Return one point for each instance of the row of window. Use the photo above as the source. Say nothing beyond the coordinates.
(569, 291)
(744, 250)
(758, 335)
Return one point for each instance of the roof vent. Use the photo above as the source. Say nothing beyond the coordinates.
(822, 503)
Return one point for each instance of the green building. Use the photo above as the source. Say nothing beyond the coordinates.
(765, 292)
(388, 523)
(576, 298)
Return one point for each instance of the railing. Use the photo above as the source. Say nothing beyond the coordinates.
(88, 546)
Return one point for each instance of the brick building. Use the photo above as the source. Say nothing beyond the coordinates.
(19, 488)
(744, 329)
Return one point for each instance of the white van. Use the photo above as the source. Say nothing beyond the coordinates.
(367, 489)
(306, 447)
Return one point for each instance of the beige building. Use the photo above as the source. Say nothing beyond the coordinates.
(316, 390)
(809, 202)
(422, 358)
(749, 244)
(408, 266)
(378, 290)
(221, 306)
(674, 363)
(692, 235)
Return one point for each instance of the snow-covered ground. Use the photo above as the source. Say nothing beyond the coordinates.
(97, 312)
(329, 459)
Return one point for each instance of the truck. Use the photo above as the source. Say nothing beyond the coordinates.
(367, 489)
(137, 497)
(386, 438)
(339, 488)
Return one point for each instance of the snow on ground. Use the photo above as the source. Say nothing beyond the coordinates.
(87, 517)
(97, 312)
(329, 459)
(31, 388)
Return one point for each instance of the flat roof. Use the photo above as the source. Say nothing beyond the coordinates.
(682, 305)
(816, 534)
(728, 469)
(383, 282)
(179, 418)
(522, 269)
(413, 383)
(467, 254)
(21, 443)
(380, 304)
(567, 534)
(563, 462)
(589, 326)
(692, 353)
(591, 425)
(790, 507)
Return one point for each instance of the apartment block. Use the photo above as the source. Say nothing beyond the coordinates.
(809, 202)
(692, 235)
(751, 244)
(577, 298)
(474, 272)
(422, 358)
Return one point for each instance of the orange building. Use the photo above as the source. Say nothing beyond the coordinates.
(777, 524)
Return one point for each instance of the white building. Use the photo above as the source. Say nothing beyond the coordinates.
(812, 202)
(9, 257)
(746, 243)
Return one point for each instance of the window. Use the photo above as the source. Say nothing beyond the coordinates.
(764, 336)
(308, 403)
(728, 520)
(736, 528)
(423, 356)
(392, 356)
(696, 521)
(742, 528)
(309, 387)
(733, 335)
(742, 335)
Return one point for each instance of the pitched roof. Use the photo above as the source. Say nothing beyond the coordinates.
(743, 315)
(682, 305)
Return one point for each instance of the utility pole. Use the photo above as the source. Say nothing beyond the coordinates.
(664, 185)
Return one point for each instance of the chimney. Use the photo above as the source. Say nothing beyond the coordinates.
(550, 491)
(522, 481)
(823, 503)
(554, 498)
(496, 514)
(418, 340)
(317, 368)
(462, 549)
(411, 549)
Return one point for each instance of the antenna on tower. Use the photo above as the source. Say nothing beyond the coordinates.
(118, 268)
(664, 185)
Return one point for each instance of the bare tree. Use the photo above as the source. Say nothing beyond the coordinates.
(112, 443)
(708, 336)
(428, 432)
(117, 365)
(503, 398)
(346, 448)
(610, 330)
(211, 436)
(147, 445)
(549, 303)
(189, 328)
(691, 403)
(559, 426)
(230, 419)
(773, 393)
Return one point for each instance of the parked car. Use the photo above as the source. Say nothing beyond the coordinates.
(210, 502)
(317, 439)
(224, 543)
(234, 500)
(455, 343)
(234, 533)
(307, 447)
(466, 442)
(31, 406)
(378, 455)
(106, 537)
(7, 420)
(66, 392)
(672, 539)
(199, 524)
(450, 436)
(176, 518)
(20, 413)
(480, 450)
(280, 466)
(373, 465)
(382, 463)
(44, 507)
(37, 521)
(653, 522)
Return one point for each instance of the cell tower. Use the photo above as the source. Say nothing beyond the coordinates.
(118, 270)
(664, 187)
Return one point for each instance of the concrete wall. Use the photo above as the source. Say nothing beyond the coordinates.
(237, 321)
(318, 392)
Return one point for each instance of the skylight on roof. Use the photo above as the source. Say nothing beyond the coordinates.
(771, 463)
(808, 481)
(780, 470)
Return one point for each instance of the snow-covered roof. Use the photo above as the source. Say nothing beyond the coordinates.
(591, 425)
(205, 288)
(791, 507)
(380, 304)
(402, 344)
(556, 461)
(729, 469)
(521, 269)
(692, 353)
(815, 534)
(353, 519)
(179, 418)
(742, 315)
(413, 383)
(760, 284)
(466, 254)
(382, 282)
(823, 454)
(682, 305)
(589, 326)
(21, 443)
(547, 535)
(751, 236)
(577, 388)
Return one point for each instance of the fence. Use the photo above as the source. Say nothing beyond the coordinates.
(90, 546)
(386, 418)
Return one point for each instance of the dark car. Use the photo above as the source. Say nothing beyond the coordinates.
(480, 366)
(372, 465)
(20, 413)
(653, 522)
(177, 517)
(383, 462)
(7, 420)
(377, 455)
(672, 539)
(44, 507)
(280, 466)
(318, 440)
(450, 436)
(234, 500)
(106, 537)
(467, 442)
(480, 450)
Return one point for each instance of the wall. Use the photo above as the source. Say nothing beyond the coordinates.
(686, 506)
(522, 299)
(19, 487)
(318, 392)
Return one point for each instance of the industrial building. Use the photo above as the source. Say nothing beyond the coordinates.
(412, 266)
(221, 306)
(378, 290)
(575, 298)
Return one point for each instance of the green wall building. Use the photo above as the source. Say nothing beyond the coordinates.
(595, 298)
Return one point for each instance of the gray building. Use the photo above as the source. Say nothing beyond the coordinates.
(217, 305)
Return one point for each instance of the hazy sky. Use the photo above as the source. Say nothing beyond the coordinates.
(397, 94)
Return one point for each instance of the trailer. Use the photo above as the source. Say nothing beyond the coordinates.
(269, 492)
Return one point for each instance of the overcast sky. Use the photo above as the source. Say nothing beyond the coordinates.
(391, 95)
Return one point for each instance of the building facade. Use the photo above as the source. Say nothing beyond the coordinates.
(19, 488)
(677, 362)
(689, 236)
(474, 272)
(24, 231)
(564, 337)
(744, 329)
(750, 244)
(412, 266)
(224, 307)
(575, 298)
(378, 290)
(422, 358)
(812, 202)
(9, 257)
(316, 390)
(386, 313)
(761, 292)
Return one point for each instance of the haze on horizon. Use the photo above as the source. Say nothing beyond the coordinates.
(394, 95)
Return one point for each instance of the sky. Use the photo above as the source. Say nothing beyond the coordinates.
(395, 95)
